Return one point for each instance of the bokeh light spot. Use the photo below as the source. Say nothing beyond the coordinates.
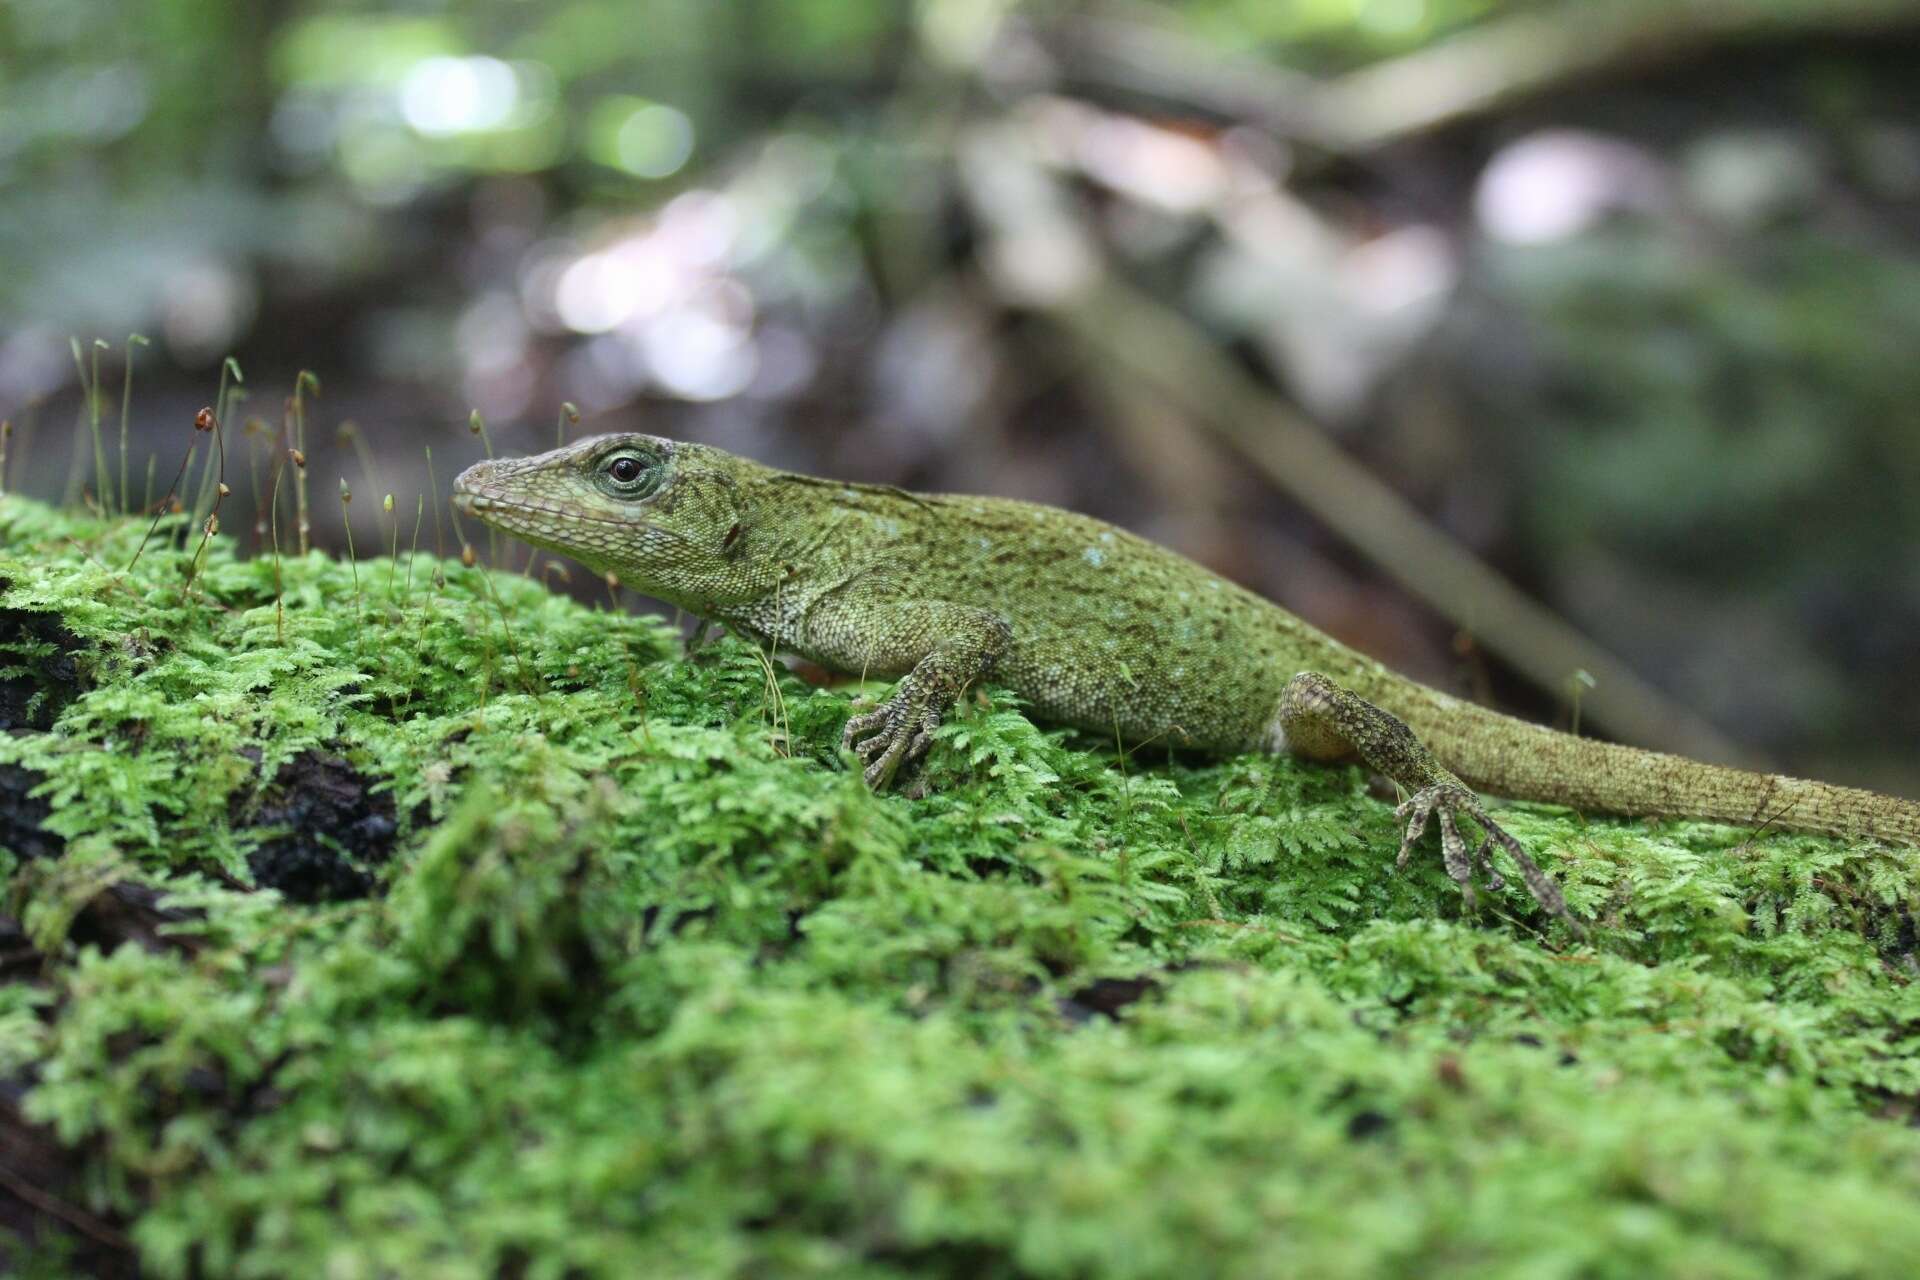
(654, 141)
(441, 97)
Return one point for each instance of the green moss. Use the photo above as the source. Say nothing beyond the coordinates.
(651, 984)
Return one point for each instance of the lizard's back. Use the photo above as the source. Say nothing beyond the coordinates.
(1110, 632)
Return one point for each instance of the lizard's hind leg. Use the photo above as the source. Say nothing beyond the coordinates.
(1320, 720)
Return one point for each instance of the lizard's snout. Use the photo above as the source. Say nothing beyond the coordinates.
(469, 488)
(472, 478)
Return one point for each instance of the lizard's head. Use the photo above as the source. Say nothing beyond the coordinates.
(664, 515)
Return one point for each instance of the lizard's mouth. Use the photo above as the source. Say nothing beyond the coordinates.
(497, 508)
(472, 498)
(473, 502)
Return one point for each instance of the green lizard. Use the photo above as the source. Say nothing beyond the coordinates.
(1095, 628)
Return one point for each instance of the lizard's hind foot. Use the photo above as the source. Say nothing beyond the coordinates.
(1322, 721)
(1450, 802)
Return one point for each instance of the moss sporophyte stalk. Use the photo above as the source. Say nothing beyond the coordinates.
(440, 924)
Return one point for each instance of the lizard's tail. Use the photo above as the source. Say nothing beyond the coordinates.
(1508, 757)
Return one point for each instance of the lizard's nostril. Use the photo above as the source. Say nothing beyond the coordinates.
(471, 478)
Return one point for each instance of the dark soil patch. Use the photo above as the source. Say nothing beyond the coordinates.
(131, 912)
(23, 815)
(52, 674)
(39, 1206)
(334, 830)
(1105, 998)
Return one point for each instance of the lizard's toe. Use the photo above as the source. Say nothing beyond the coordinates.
(1451, 802)
(894, 734)
(1416, 813)
(923, 737)
(1453, 851)
(881, 771)
(1483, 859)
(901, 743)
(861, 724)
(918, 747)
(897, 732)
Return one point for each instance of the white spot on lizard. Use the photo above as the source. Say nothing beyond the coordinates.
(1276, 734)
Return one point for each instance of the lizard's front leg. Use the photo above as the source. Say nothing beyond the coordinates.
(942, 647)
(1323, 721)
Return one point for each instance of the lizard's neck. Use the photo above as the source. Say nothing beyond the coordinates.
(801, 540)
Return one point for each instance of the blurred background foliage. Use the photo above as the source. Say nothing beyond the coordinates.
(1624, 295)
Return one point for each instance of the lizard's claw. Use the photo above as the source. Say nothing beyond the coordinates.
(1452, 801)
(895, 733)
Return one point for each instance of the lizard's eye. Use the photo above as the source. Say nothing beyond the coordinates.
(627, 477)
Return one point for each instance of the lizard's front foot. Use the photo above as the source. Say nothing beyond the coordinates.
(895, 733)
(1451, 801)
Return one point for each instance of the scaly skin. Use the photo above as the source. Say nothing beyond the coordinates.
(1094, 628)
